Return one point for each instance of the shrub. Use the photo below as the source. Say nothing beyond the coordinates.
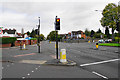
(82, 37)
(33, 39)
(7, 40)
(117, 39)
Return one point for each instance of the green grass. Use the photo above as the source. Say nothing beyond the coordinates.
(110, 44)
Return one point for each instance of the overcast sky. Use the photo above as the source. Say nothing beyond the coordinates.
(74, 14)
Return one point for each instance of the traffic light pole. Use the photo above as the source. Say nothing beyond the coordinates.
(56, 40)
(56, 44)
(39, 36)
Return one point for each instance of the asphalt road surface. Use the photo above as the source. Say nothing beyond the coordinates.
(91, 63)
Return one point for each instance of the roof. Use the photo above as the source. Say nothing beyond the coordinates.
(9, 31)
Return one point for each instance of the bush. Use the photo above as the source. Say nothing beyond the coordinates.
(33, 39)
(117, 39)
(82, 37)
(7, 40)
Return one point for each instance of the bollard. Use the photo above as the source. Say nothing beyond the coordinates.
(23, 46)
(96, 45)
(63, 56)
(55, 45)
(89, 41)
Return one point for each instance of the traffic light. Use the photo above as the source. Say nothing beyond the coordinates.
(57, 23)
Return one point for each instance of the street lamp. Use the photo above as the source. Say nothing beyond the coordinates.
(102, 36)
(39, 36)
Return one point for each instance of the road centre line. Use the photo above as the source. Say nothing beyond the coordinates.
(99, 62)
(99, 75)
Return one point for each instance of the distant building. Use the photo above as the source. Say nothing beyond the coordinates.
(8, 33)
(63, 36)
(22, 32)
(74, 35)
(19, 35)
(78, 34)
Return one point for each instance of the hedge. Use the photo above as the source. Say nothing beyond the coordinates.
(7, 40)
(33, 39)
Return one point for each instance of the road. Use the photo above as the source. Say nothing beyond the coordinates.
(91, 63)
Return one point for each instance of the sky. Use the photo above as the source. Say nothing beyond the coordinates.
(74, 14)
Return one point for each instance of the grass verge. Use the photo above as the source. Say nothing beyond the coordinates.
(110, 44)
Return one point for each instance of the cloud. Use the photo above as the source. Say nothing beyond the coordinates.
(74, 15)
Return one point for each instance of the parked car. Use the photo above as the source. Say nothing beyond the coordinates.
(108, 40)
(101, 41)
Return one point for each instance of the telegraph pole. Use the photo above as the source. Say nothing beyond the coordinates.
(39, 36)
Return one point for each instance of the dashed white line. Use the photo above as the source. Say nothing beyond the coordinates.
(32, 71)
(99, 62)
(36, 68)
(23, 77)
(28, 74)
(7, 65)
(99, 75)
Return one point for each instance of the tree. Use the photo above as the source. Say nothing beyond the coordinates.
(99, 31)
(92, 33)
(52, 36)
(107, 32)
(110, 17)
(32, 33)
(87, 32)
(28, 33)
(42, 37)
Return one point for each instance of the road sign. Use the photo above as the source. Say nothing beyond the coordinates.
(1, 31)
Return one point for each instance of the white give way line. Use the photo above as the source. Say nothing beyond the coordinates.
(99, 75)
(99, 62)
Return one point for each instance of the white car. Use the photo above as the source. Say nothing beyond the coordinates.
(108, 40)
(101, 41)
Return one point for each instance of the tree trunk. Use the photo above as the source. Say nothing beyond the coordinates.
(112, 34)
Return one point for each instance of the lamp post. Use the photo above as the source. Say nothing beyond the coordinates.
(39, 36)
(103, 26)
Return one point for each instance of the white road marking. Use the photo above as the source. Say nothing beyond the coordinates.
(23, 77)
(28, 74)
(7, 65)
(32, 71)
(12, 63)
(36, 68)
(99, 62)
(99, 75)
(2, 67)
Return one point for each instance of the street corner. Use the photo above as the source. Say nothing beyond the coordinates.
(56, 62)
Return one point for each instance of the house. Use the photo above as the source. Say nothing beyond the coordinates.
(74, 35)
(8, 33)
(63, 36)
(77, 34)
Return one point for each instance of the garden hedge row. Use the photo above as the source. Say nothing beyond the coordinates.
(33, 39)
(7, 40)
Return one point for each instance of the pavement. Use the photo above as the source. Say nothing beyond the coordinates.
(90, 63)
